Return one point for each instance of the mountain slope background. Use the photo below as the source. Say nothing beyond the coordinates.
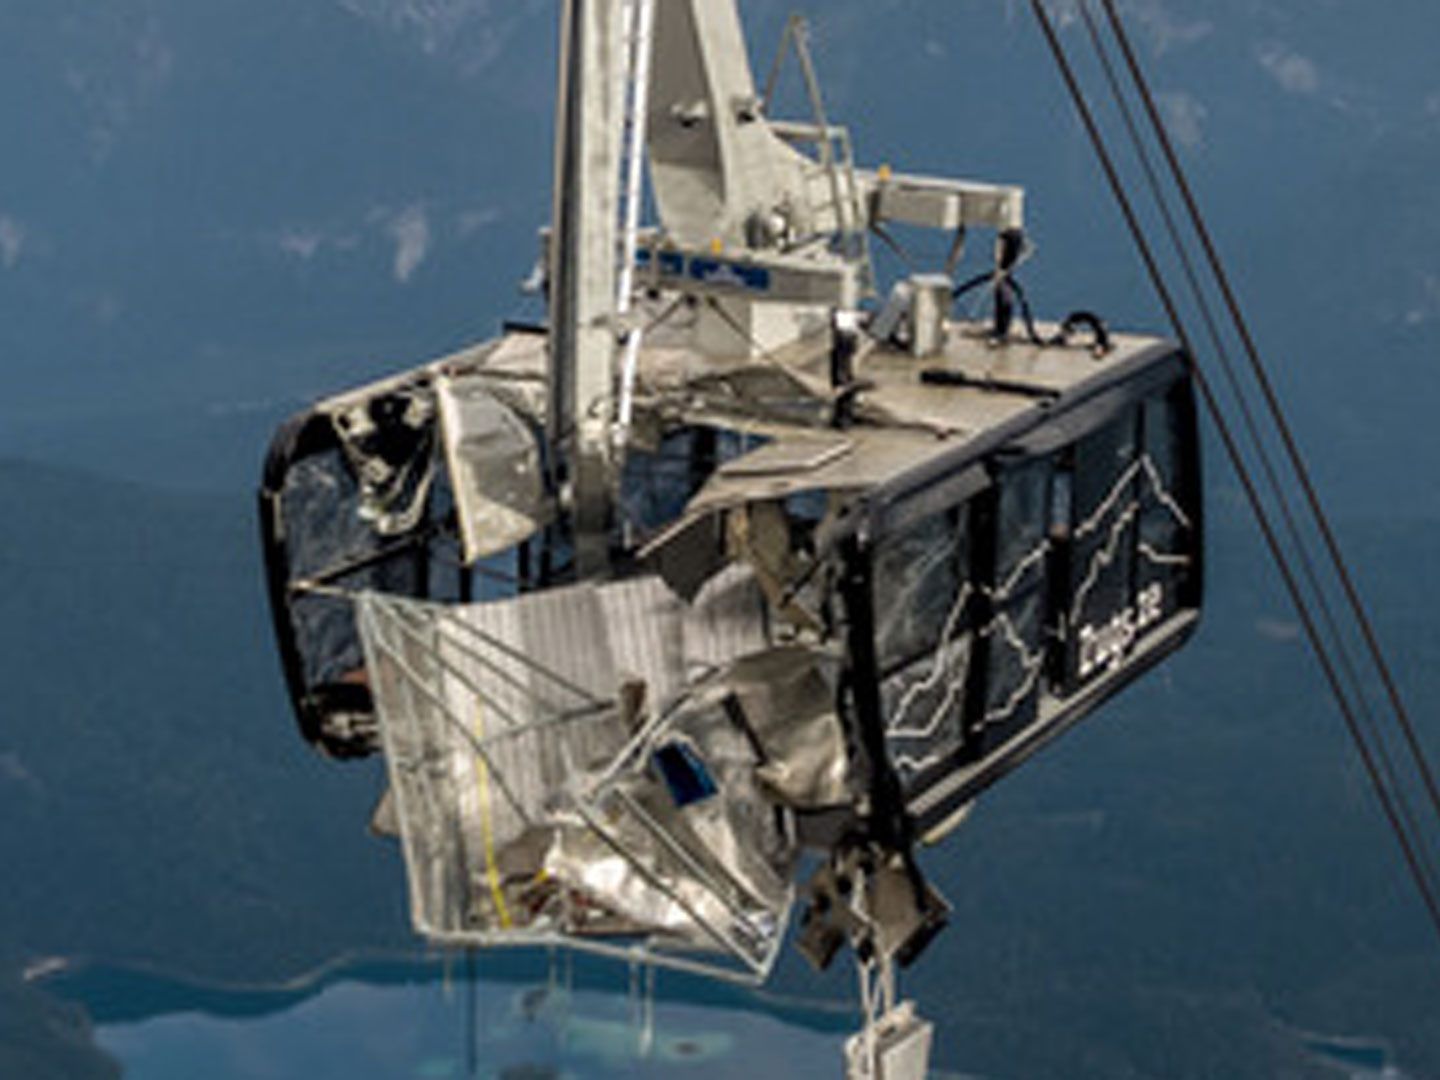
(213, 212)
(220, 210)
(157, 809)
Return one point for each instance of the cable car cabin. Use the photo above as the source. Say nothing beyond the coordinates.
(358, 495)
(977, 547)
(1010, 586)
(739, 558)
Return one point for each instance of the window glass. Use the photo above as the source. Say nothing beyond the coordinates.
(1023, 518)
(1017, 669)
(924, 708)
(1034, 587)
(1101, 621)
(1165, 559)
(1015, 639)
(918, 575)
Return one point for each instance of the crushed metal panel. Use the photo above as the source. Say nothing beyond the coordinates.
(725, 853)
(479, 740)
(527, 802)
(784, 457)
(877, 456)
(688, 553)
(787, 698)
(761, 534)
(644, 622)
(764, 391)
(495, 468)
(727, 621)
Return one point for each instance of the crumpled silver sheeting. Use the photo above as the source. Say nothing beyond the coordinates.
(718, 869)
(787, 698)
(493, 457)
(530, 801)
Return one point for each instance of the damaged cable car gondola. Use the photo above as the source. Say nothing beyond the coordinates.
(737, 559)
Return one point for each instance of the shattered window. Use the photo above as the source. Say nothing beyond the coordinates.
(330, 541)
(320, 505)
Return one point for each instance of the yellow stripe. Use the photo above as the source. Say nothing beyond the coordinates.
(487, 830)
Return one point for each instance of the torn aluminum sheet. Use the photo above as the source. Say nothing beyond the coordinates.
(518, 777)
(877, 900)
(689, 553)
(494, 463)
(687, 809)
(759, 391)
(798, 465)
(469, 726)
(787, 700)
(759, 533)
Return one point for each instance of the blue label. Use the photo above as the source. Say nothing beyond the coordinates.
(732, 274)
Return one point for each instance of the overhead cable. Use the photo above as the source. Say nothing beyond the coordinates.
(1387, 802)
(1272, 401)
(1369, 723)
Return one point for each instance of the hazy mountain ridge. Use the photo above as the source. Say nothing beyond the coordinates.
(42, 1039)
(286, 179)
(150, 748)
(295, 172)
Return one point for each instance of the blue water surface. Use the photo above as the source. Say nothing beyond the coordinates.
(450, 1022)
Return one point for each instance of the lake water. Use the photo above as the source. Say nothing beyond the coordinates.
(497, 1017)
(428, 1020)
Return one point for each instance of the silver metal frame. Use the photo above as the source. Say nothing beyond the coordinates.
(383, 647)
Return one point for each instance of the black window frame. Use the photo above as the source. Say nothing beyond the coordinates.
(1049, 432)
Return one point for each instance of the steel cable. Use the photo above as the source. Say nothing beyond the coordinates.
(1232, 450)
(1252, 428)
